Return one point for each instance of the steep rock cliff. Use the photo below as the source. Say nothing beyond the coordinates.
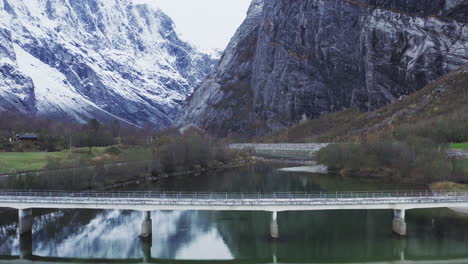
(303, 58)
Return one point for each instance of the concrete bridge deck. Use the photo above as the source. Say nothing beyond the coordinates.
(274, 202)
(399, 201)
(280, 146)
(296, 150)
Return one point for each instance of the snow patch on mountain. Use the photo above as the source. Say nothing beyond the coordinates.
(72, 103)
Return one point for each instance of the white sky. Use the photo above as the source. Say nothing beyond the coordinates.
(208, 24)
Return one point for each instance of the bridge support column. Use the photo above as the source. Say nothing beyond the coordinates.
(274, 251)
(146, 226)
(274, 229)
(25, 221)
(25, 244)
(399, 224)
(146, 245)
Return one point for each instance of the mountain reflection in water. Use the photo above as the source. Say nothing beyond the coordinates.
(113, 234)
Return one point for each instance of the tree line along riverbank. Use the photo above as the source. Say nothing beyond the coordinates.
(172, 154)
(409, 152)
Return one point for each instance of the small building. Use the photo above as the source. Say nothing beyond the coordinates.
(30, 137)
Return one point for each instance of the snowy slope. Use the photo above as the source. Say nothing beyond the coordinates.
(105, 59)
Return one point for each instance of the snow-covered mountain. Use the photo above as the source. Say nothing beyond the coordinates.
(105, 59)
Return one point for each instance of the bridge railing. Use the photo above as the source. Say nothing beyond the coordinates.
(280, 146)
(231, 196)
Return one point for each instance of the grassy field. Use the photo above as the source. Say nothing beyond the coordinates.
(26, 161)
(461, 146)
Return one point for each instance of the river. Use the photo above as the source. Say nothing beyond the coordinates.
(243, 237)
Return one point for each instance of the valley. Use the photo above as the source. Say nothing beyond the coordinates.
(325, 131)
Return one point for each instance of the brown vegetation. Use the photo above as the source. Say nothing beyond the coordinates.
(390, 160)
(414, 152)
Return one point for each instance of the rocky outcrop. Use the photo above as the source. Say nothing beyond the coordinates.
(105, 59)
(226, 94)
(295, 59)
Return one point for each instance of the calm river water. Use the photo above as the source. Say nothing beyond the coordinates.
(242, 237)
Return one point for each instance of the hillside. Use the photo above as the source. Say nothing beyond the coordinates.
(445, 97)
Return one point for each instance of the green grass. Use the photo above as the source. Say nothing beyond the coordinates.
(11, 162)
(25, 161)
(461, 146)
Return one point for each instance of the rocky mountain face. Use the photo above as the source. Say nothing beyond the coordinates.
(296, 59)
(105, 59)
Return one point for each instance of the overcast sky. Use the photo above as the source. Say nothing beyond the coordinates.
(209, 24)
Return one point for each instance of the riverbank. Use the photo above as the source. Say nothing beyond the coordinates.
(173, 153)
(106, 176)
(288, 161)
(150, 178)
(310, 169)
(453, 187)
(409, 159)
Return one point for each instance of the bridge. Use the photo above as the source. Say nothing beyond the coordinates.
(276, 202)
(306, 150)
(280, 146)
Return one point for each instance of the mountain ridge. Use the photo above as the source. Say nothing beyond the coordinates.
(108, 59)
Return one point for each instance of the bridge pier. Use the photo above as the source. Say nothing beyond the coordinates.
(399, 224)
(146, 226)
(25, 221)
(274, 229)
(274, 252)
(146, 245)
(25, 245)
